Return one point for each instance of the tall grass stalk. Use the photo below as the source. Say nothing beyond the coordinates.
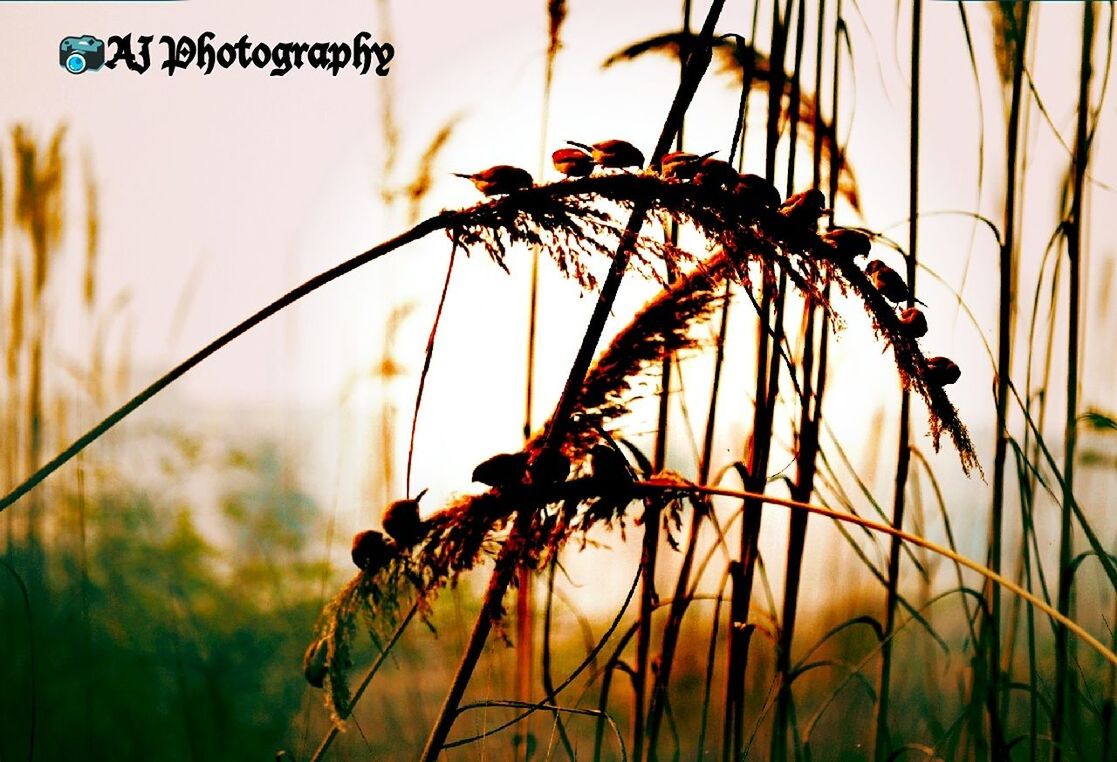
(697, 63)
(1030, 453)
(740, 572)
(648, 597)
(681, 599)
(882, 743)
(38, 213)
(525, 608)
(738, 608)
(650, 552)
(991, 629)
(801, 489)
(1063, 682)
(769, 338)
(807, 444)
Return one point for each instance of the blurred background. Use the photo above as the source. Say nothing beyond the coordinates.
(158, 591)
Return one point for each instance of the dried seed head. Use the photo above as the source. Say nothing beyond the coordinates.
(371, 552)
(499, 179)
(315, 667)
(913, 323)
(573, 162)
(402, 523)
(941, 371)
(848, 243)
(549, 467)
(758, 191)
(506, 469)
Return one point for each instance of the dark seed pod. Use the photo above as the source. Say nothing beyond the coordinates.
(402, 523)
(315, 667)
(848, 243)
(506, 469)
(573, 162)
(757, 191)
(549, 467)
(914, 323)
(499, 179)
(804, 208)
(370, 551)
(941, 371)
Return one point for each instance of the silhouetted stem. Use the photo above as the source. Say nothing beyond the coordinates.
(882, 743)
(506, 561)
(989, 643)
(914, 539)
(614, 185)
(372, 670)
(806, 450)
(1059, 731)
(769, 333)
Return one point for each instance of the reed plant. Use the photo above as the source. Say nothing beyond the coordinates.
(705, 656)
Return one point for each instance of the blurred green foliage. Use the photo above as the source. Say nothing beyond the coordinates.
(152, 642)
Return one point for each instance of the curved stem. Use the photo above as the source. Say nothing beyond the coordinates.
(427, 366)
(624, 185)
(328, 740)
(914, 539)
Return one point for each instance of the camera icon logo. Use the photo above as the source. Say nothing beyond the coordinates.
(79, 54)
